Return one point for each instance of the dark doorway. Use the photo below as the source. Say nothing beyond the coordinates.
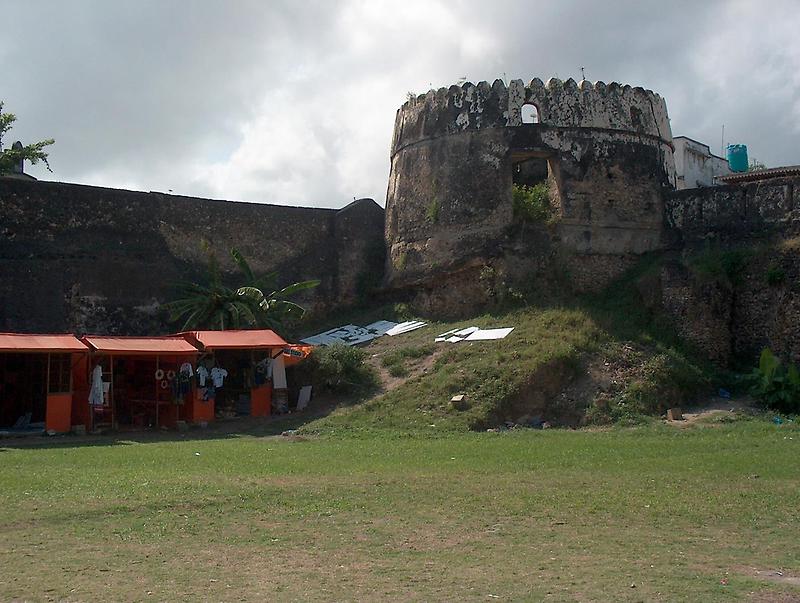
(530, 171)
(23, 390)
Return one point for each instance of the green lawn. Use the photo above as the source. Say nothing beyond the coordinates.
(643, 514)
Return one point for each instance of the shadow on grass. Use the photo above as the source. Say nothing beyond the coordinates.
(218, 430)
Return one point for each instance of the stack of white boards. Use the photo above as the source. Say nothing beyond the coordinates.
(473, 334)
(355, 335)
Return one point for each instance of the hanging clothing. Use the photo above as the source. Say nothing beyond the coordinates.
(262, 372)
(96, 391)
(218, 376)
(202, 375)
(279, 373)
(181, 384)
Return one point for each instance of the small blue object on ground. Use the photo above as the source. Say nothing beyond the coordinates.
(724, 393)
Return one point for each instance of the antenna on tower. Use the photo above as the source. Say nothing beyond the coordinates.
(722, 142)
(583, 75)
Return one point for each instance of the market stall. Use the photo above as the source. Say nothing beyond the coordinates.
(36, 384)
(244, 370)
(139, 381)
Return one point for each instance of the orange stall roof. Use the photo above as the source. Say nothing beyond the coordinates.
(23, 342)
(250, 339)
(153, 346)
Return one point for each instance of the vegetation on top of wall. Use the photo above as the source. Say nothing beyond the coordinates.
(755, 165)
(775, 385)
(531, 203)
(11, 157)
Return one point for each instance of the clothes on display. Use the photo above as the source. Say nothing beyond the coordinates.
(208, 393)
(263, 372)
(182, 385)
(96, 391)
(218, 376)
(202, 375)
(279, 373)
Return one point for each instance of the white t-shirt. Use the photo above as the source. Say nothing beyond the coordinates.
(218, 376)
(202, 375)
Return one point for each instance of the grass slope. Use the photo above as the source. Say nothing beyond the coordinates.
(549, 346)
(641, 514)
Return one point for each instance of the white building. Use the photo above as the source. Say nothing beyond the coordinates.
(695, 164)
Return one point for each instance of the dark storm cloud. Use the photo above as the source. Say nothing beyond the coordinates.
(292, 102)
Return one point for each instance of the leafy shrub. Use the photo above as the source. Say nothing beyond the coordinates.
(531, 203)
(395, 361)
(776, 385)
(398, 370)
(402, 311)
(665, 380)
(775, 275)
(433, 211)
(413, 352)
(342, 368)
(726, 266)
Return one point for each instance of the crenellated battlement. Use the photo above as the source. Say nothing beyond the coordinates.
(561, 104)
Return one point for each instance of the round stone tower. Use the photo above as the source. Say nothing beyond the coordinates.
(602, 152)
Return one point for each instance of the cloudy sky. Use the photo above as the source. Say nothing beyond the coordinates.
(293, 102)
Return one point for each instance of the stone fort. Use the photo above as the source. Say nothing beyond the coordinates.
(88, 259)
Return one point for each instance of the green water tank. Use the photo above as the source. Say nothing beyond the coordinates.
(737, 157)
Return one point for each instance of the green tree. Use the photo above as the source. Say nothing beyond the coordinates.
(255, 304)
(12, 156)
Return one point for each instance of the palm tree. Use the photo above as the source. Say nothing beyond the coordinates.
(257, 303)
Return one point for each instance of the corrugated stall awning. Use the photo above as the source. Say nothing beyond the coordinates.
(23, 342)
(153, 346)
(251, 339)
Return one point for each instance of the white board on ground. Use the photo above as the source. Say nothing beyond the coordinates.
(405, 327)
(487, 334)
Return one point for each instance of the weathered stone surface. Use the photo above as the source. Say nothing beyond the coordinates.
(734, 319)
(449, 201)
(88, 259)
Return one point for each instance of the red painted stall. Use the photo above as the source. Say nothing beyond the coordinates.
(36, 381)
(250, 363)
(139, 382)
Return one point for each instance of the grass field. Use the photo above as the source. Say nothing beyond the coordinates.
(643, 514)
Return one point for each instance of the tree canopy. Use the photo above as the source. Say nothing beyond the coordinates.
(256, 303)
(12, 156)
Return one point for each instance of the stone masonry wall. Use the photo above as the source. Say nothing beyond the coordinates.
(733, 316)
(88, 259)
(449, 200)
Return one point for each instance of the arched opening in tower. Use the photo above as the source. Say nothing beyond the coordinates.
(529, 113)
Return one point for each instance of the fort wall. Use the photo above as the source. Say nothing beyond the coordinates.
(89, 259)
(734, 287)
